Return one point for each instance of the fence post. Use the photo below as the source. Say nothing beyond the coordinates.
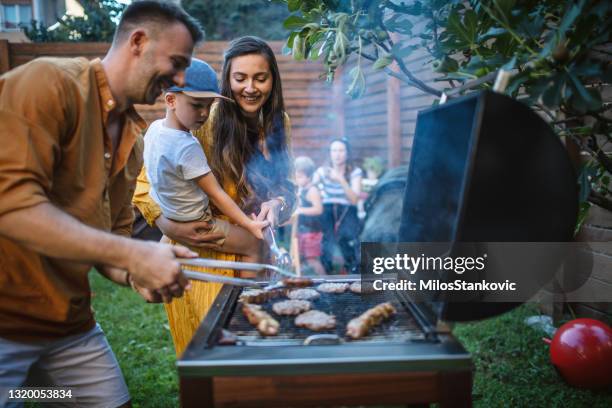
(338, 103)
(394, 130)
(5, 59)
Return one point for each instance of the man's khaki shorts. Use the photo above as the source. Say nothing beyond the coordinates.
(84, 363)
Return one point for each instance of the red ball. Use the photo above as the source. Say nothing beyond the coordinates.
(581, 350)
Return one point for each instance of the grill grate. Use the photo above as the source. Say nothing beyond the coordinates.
(345, 306)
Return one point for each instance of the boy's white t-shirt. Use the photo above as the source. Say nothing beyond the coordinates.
(173, 159)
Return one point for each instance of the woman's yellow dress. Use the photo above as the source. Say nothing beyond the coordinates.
(186, 313)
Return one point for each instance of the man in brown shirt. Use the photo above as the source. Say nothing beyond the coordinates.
(71, 150)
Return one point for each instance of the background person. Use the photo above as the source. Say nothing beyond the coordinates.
(340, 183)
(247, 144)
(310, 207)
(72, 149)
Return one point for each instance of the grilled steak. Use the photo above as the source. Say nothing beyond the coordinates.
(303, 294)
(291, 307)
(265, 324)
(297, 282)
(359, 326)
(333, 287)
(316, 320)
(258, 296)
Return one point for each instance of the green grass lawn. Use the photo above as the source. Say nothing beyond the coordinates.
(511, 360)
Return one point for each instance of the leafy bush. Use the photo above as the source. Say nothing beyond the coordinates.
(98, 24)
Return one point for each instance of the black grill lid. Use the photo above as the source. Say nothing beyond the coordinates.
(486, 168)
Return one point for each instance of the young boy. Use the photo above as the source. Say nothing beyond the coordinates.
(309, 209)
(181, 180)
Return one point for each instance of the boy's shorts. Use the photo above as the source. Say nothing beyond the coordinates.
(218, 225)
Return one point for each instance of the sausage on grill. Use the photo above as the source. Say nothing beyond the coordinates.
(360, 326)
(265, 324)
(297, 282)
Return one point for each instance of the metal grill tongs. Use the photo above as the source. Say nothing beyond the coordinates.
(280, 256)
(234, 265)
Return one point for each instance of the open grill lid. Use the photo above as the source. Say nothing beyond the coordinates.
(486, 168)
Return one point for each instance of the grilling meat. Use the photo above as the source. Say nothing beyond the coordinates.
(297, 282)
(357, 287)
(226, 337)
(359, 326)
(333, 287)
(265, 324)
(258, 296)
(291, 307)
(303, 294)
(316, 320)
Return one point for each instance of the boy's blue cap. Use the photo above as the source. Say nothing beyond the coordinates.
(200, 81)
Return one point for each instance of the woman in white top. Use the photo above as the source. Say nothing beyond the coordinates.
(340, 184)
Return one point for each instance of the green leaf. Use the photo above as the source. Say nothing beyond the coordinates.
(382, 62)
(292, 22)
(357, 87)
(298, 49)
(552, 96)
(465, 34)
(588, 69)
(399, 23)
(508, 66)
(570, 16)
(491, 33)
(289, 44)
(585, 99)
(293, 5)
(516, 82)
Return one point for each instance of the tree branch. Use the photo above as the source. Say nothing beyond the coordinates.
(602, 157)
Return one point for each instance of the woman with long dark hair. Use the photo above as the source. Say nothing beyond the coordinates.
(340, 183)
(247, 144)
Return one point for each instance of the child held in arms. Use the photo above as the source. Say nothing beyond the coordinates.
(309, 231)
(181, 180)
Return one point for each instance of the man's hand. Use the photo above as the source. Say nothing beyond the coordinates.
(269, 212)
(151, 296)
(195, 233)
(154, 266)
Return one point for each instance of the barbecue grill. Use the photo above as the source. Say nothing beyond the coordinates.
(404, 360)
(473, 178)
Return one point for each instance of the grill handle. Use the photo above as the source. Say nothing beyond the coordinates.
(322, 340)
